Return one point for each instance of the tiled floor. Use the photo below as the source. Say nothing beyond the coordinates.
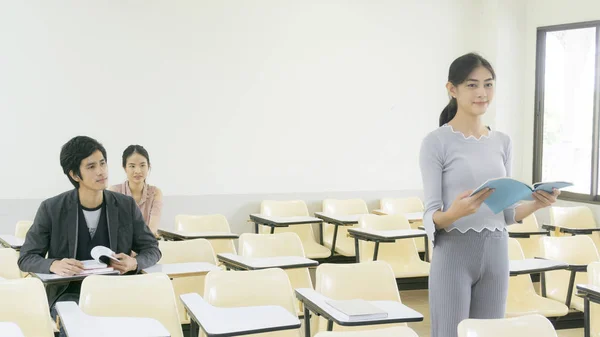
(417, 299)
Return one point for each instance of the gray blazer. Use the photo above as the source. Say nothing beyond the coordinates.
(54, 232)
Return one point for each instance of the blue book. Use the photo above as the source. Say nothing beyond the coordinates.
(508, 191)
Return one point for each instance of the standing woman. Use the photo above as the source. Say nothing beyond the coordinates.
(136, 163)
(469, 269)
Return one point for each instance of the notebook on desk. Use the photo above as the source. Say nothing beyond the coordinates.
(97, 271)
(99, 265)
(94, 267)
(358, 310)
(93, 264)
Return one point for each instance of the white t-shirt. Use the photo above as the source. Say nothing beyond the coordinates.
(92, 218)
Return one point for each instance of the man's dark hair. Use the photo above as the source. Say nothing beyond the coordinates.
(76, 150)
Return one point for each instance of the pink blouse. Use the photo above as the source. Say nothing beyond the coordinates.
(148, 205)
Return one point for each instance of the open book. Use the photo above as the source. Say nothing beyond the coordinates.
(101, 257)
(508, 191)
(103, 254)
(358, 310)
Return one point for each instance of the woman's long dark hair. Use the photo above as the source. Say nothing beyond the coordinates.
(458, 73)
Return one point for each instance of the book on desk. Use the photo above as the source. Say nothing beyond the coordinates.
(99, 265)
(357, 309)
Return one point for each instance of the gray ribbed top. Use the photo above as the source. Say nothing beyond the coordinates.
(452, 163)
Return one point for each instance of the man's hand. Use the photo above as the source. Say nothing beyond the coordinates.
(66, 267)
(126, 263)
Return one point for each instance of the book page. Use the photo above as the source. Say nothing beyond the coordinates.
(101, 254)
(550, 185)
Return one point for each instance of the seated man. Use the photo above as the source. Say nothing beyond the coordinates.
(69, 225)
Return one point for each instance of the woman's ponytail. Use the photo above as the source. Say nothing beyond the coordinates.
(449, 112)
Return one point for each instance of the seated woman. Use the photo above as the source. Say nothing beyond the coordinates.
(136, 163)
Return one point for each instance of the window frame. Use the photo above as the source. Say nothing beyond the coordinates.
(538, 132)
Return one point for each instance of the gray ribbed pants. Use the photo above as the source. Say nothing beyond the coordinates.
(468, 278)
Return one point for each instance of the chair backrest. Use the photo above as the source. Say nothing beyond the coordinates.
(9, 269)
(22, 228)
(357, 281)
(147, 295)
(521, 286)
(207, 223)
(202, 223)
(344, 244)
(287, 208)
(579, 250)
(575, 217)
(524, 326)
(278, 244)
(572, 217)
(347, 206)
(531, 245)
(593, 271)
(529, 224)
(251, 288)
(268, 245)
(25, 303)
(284, 208)
(197, 250)
(406, 205)
(404, 250)
(350, 281)
(401, 205)
(514, 250)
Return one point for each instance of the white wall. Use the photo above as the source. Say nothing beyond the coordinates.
(501, 41)
(336, 95)
(229, 97)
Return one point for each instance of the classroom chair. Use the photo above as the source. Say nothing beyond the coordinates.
(530, 245)
(9, 269)
(25, 303)
(386, 332)
(574, 217)
(402, 255)
(371, 281)
(312, 248)
(278, 244)
(147, 295)
(574, 250)
(522, 299)
(229, 289)
(593, 270)
(344, 244)
(405, 205)
(207, 223)
(22, 228)
(524, 326)
(197, 250)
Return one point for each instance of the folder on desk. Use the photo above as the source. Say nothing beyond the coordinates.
(358, 310)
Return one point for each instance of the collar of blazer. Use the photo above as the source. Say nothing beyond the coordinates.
(72, 220)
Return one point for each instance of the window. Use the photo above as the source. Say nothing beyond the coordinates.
(566, 108)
